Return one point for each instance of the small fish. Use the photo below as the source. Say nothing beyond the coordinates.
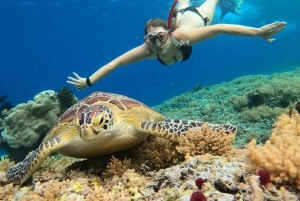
(3, 157)
(2, 98)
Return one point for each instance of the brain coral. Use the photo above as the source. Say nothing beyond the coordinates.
(28, 121)
(280, 155)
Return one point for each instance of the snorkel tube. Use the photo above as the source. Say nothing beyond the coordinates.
(170, 18)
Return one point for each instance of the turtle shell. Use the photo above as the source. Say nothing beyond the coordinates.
(122, 102)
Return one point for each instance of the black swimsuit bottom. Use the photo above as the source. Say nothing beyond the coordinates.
(185, 48)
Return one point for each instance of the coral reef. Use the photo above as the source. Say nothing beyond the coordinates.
(27, 123)
(173, 183)
(235, 102)
(47, 94)
(158, 169)
(4, 109)
(197, 87)
(65, 178)
(280, 155)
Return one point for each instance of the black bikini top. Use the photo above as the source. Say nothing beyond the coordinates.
(184, 48)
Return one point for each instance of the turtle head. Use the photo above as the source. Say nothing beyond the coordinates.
(93, 122)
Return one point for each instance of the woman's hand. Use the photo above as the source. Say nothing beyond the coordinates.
(271, 29)
(78, 82)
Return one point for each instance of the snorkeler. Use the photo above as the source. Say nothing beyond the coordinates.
(172, 41)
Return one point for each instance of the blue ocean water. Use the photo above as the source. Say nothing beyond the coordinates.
(43, 42)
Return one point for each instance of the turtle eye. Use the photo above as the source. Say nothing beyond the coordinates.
(101, 120)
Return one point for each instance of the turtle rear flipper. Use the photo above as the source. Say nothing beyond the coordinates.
(173, 129)
(19, 173)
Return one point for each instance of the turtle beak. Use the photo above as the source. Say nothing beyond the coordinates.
(87, 132)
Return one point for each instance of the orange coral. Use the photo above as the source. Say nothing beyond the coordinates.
(5, 165)
(280, 155)
(156, 153)
(199, 142)
(117, 167)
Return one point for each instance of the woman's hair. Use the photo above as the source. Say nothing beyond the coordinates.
(155, 22)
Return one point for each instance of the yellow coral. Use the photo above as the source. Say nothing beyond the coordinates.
(280, 155)
(64, 197)
(76, 187)
(95, 184)
(199, 142)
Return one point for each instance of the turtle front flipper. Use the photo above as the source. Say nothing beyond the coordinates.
(173, 129)
(20, 172)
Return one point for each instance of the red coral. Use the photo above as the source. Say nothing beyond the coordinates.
(264, 177)
(199, 183)
(197, 196)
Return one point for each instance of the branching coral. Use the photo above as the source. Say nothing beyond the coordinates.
(156, 153)
(199, 142)
(54, 167)
(280, 155)
(5, 165)
(117, 167)
(7, 191)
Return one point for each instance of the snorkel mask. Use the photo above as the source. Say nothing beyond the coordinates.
(170, 18)
(162, 36)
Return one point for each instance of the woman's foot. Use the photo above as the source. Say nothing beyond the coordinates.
(229, 6)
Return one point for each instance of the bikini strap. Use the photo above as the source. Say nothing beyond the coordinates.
(195, 10)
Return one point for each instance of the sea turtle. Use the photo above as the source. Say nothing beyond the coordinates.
(103, 123)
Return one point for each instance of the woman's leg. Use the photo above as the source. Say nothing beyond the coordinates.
(207, 9)
(183, 4)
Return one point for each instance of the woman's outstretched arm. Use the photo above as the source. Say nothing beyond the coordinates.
(200, 34)
(137, 54)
